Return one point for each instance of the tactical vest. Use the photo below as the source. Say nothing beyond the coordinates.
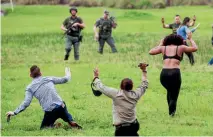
(105, 28)
(74, 31)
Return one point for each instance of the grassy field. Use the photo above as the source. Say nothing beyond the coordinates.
(32, 35)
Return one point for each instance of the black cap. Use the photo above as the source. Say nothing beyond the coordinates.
(95, 92)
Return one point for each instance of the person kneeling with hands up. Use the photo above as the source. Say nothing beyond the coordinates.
(124, 102)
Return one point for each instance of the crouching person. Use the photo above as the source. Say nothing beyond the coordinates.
(124, 102)
(43, 88)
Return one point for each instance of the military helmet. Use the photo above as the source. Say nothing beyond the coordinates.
(73, 8)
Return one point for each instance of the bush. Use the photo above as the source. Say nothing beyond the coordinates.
(84, 3)
(75, 3)
(143, 4)
(190, 2)
(108, 3)
(199, 2)
(159, 4)
(35, 2)
(124, 4)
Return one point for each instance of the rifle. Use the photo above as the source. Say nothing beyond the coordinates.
(70, 28)
(113, 19)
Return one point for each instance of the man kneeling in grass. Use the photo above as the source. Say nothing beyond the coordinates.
(43, 88)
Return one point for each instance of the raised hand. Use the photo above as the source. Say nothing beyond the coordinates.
(194, 18)
(162, 20)
(67, 72)
(143, 66)
(96, 72)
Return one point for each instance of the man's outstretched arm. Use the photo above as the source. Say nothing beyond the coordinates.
(61, 80)
(24, 104)
(164, 25)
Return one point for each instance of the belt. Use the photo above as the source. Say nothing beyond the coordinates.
(57, 106)
(126, 124)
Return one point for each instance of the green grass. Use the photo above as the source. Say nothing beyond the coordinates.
(31, 35)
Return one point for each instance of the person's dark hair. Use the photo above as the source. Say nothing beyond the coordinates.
(173, 39)
(185, 20)
(126, 84)
(177, 15)
(35, 71)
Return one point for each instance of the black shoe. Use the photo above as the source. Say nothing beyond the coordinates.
(75, 125)
(66, 57)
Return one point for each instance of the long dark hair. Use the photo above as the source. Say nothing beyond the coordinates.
(173, 39)
(185, 21)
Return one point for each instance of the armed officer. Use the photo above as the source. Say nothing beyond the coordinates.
(72, 27)
(105, 25)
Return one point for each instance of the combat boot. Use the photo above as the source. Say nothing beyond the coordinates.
(66, 57)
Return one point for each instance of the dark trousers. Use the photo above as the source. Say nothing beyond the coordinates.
(171, 80)
(111, 43)
(127, 129)
(69, 41)
(190, 56)
(51, 116)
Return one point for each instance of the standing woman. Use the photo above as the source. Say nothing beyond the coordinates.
(172, 48)
(183, 30)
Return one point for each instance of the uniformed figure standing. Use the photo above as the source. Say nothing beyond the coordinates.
(72, 27)
(105, 25)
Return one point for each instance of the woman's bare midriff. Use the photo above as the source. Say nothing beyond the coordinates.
(171, 63)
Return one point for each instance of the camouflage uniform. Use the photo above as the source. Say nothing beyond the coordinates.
(73, 36)
(105, 31)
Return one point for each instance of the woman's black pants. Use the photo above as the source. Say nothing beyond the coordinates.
(171, 80)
